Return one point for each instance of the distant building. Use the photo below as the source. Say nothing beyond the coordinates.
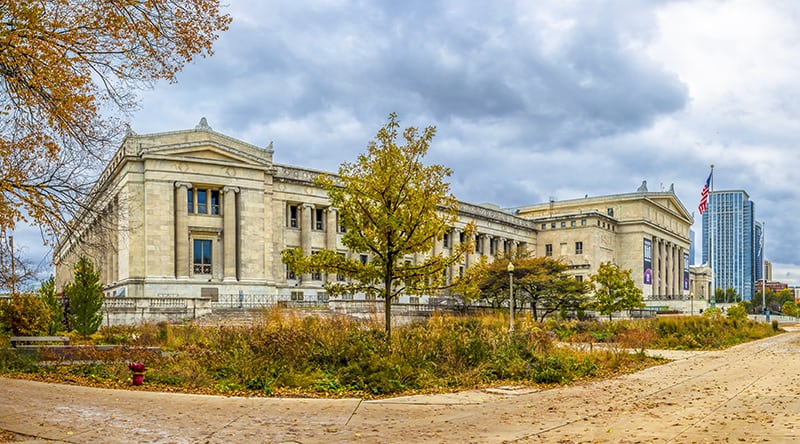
(733, 242)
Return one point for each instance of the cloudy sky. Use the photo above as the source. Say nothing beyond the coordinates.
(531, 100)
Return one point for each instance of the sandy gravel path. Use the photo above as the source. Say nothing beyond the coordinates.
(749, 393)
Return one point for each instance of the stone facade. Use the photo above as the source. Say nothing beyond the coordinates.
(196, 214)
(646, 232)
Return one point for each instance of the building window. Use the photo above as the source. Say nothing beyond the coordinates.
(297, 296)
(318, 218)
(548, 250)
(290, 274)
(491, 246)
(215, 202)
(544, 226)
(572, 223)
(478, 244)
(316, 275)
(461, 237)
(446, 240)
(413, 300)
(363, 258)
(322, 296)
(583, 222)
(611, 212)
(292, 216)
(202, 256)
(342, 228)
(579, 278)
(203, 201)
(563, 224)
(578, 247)
(553, 225)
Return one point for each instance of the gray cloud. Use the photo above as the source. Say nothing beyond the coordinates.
(549, 99)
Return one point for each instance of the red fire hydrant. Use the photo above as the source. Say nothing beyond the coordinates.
(138, 372)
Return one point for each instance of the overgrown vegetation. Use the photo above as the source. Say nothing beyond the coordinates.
(285, 354)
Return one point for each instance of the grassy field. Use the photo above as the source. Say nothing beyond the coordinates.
(283, 354)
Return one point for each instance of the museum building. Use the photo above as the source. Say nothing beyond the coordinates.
(197, 214)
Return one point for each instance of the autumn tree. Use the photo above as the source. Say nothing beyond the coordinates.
(392, 207)
(539, 282)
(789, 308)
(24, 314)
(614, 290)
(69, 71)
(85, 298)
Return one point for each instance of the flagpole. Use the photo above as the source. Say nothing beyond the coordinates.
(711, 239)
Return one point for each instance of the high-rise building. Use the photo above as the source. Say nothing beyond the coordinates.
(729, 234)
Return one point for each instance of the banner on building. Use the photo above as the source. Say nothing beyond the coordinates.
(685, 271)
(648, 261)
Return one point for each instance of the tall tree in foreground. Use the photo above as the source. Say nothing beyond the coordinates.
(392, 207)
(614, 290)
(63, 65)
(85, 298)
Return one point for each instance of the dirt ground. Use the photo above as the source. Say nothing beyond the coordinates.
(748, 393)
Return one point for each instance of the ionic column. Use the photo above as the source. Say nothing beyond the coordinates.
(331, 229)
(486, 244)
(182, 230)
(305, 233)
(456, 243)
(229, 234)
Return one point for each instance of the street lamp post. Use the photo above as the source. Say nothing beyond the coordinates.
(511, 296)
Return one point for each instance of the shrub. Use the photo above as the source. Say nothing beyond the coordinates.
(24, 314)
(737, 312)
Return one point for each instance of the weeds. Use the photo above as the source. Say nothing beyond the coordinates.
(286, 354)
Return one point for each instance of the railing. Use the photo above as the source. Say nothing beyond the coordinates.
(244, 300)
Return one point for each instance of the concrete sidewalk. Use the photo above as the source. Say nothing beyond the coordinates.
(749, 392)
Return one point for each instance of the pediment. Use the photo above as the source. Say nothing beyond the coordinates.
(218, 150)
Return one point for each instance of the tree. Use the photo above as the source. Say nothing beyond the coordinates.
(539, 282)
(737, 311)
(85, 298)
(24, 314)
(392, 207)
(789, 308)
(614, 290)
(726, 295)
(47, 294)
(65, 63)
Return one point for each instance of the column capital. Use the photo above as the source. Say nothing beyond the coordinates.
(308, 205)
(228, 188)
(183, 184)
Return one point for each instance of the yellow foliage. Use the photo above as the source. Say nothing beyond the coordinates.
(61, 63)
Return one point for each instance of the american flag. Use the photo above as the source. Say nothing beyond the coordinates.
(704, 195)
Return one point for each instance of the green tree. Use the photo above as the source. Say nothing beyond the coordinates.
(614, 290)
(47, 293)
(738, 311)
(539, 282)
(789, 308)
(24, 314)
(85, 298)
(392, 207)
(726, 295)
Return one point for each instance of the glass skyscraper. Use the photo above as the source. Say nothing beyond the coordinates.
(736, 261)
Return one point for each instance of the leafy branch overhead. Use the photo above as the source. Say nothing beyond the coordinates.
(393, 208)
(63, 65)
